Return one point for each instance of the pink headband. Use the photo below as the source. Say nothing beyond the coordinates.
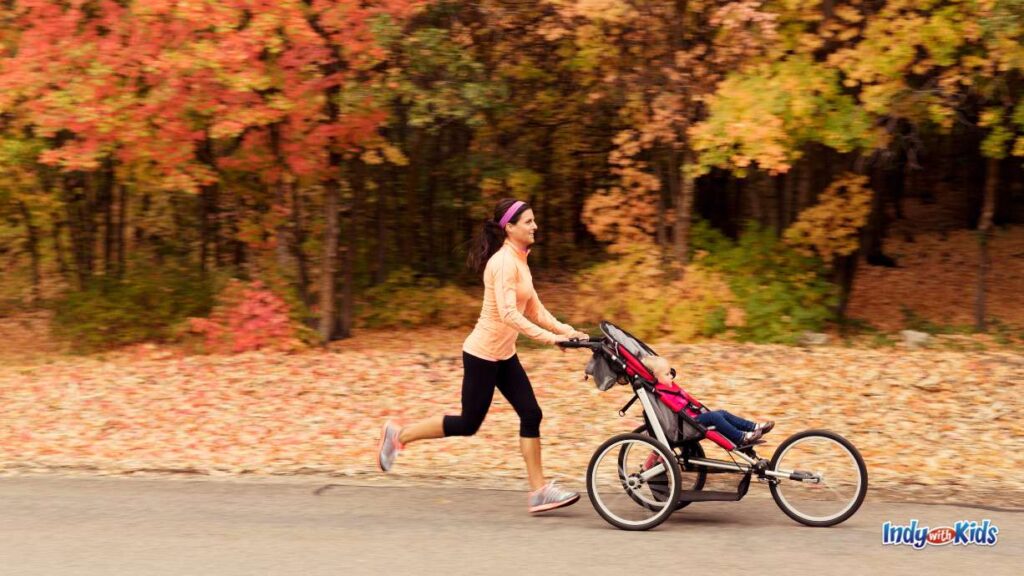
(510, 213)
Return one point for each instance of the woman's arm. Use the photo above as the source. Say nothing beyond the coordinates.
(505, 281)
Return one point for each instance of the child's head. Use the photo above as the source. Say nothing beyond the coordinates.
(659, 367)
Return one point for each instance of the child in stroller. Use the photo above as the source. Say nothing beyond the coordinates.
(738, 430)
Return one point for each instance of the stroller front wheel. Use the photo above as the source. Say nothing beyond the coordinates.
(821, 479)
(633, 482)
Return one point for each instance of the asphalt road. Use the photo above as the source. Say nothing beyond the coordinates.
(56, 526)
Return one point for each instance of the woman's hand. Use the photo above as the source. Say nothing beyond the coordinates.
(579, 335)
(559, 339)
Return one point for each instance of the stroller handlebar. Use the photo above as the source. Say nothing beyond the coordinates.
(577, 343)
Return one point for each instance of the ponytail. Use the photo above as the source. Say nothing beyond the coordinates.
(490, 238)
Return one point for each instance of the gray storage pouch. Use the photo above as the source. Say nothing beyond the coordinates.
(604, 376)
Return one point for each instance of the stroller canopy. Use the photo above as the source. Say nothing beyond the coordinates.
(632, 345)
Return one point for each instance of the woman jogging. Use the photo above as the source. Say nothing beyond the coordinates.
(489, 359)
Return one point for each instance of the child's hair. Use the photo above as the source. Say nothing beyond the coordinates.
(656, 364)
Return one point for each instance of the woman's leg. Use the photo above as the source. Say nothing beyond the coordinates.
(530, 447)
(742, 424)
(478, 379)
(422, 430)
(515, 386)
(717, 419)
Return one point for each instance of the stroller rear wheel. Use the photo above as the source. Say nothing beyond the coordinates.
(633, 482)
(689, 480)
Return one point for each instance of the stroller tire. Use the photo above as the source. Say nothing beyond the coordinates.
(828, 478)
(636, 494)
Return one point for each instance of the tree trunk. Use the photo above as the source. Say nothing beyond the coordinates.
(204, 227)
(804, 185)
(661, 235)
(282, 197)
(80, 225)
(984, 237)
(122, 218)
(381, 212)
(238, 254)
(789, 209)
(781, 204)
(329, 262)
(106, 198)
(406, 189)
(752, 189)
(684, 207)
(32, 241)
(58, 246)
(429, 209)
(845, 268)
(298, 239)
(580, 234)
(874, 230)
(349, 256)
(207, 210)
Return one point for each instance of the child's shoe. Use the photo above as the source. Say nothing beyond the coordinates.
(750, 437)
(765, 427)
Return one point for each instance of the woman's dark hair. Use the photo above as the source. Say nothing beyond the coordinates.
(492, 235)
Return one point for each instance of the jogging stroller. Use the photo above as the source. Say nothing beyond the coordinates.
(816, 477)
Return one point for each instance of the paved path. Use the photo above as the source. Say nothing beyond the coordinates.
(57, 526)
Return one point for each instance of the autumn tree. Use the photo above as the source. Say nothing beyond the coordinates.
(176, 92)
(658, 61)
(955, 62)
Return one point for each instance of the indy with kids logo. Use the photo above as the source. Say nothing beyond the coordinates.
(964, 533)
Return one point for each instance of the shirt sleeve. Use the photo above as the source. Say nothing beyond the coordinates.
(505, 282)
(536, 311)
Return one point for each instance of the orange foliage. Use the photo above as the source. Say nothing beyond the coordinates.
(831, 228)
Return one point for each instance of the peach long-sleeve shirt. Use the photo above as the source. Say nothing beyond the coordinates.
(510, 306)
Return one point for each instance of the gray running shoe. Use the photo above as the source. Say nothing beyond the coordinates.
(550, 497)
(389, 446)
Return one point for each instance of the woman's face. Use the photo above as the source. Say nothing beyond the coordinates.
(522, 232)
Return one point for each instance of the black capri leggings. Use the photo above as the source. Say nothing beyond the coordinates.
(479, 379)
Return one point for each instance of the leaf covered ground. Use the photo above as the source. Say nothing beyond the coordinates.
(931, 424)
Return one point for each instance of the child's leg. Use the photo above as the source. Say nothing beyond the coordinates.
(717, 419)
(744, 425)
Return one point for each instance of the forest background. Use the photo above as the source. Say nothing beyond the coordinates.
(698, 169)
(252, 180)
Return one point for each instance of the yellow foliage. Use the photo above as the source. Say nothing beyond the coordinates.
(655, 300)
(406, 301)
(831, 227)
(393, 155)
(379, 152)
